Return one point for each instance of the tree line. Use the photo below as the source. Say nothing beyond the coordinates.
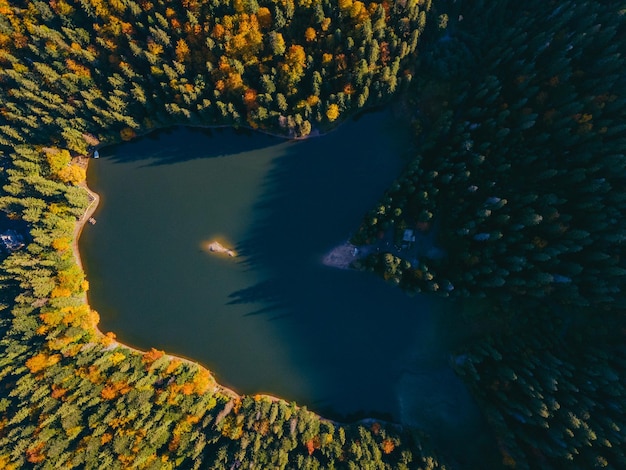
(72, 68)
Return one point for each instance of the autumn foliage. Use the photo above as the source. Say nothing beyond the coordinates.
(41, 361)
(332, 113)
(388, 446)
(152, 355)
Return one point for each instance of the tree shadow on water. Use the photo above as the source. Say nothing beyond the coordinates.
(266, 292)
(182, 143)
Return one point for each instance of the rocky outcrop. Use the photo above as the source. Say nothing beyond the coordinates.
(217, 247)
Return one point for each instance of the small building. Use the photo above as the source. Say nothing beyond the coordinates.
(408, 236)
(96, 154)
(12, 240)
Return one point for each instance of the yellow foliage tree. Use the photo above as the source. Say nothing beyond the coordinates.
(61, 244)
(202, 381)
(312, 100)
(117, 357)
(76, 316)
(293, 67)
(155, 48)
(332, 112)
(71, 278)
(345, 5)
(60, 292)
(234, 82)
(57, 159)
(296, 57)
(73, 174)
(172, 366)
(248, 41)
(359, 12)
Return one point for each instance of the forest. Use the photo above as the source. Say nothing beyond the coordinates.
(518, 112)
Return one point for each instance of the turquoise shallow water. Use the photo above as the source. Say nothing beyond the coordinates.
(274, 319)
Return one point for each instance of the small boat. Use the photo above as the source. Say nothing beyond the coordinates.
(96, 154)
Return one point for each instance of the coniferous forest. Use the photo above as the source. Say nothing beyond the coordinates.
(519, 118)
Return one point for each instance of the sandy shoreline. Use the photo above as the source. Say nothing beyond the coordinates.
(94, 199)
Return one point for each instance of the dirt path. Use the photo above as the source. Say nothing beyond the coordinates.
(94, 200)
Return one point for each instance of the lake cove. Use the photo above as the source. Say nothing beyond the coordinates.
(273, 319)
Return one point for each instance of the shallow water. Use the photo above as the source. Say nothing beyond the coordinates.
(273, 320)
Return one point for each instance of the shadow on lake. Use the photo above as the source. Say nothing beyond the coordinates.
(183, 145)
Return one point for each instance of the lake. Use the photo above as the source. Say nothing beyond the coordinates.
(274, 319)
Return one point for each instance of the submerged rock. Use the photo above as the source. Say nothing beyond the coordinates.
(343, 256)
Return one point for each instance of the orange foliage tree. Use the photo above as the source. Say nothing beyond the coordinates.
(41, 361)
(388, 446)
(152, 355)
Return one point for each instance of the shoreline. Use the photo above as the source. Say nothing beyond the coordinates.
(315, 132)
(80, 223)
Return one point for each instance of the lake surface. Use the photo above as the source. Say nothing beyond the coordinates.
(273, 320)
